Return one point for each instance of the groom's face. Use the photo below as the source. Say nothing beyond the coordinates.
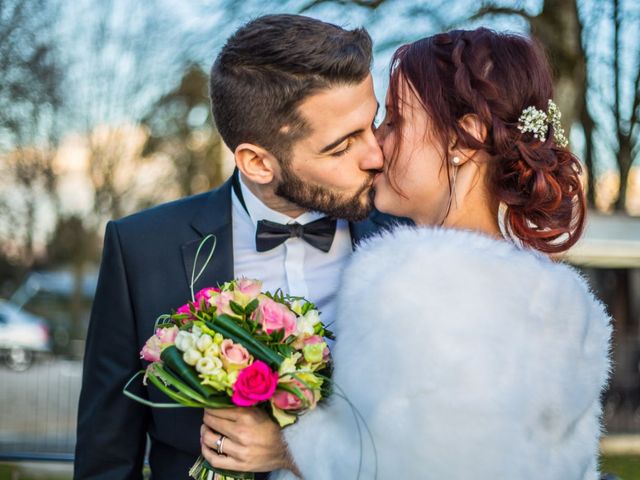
(332, 169)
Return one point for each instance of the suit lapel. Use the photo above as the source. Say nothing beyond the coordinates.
(214, 218)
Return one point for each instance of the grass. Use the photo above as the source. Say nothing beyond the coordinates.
(14, 471)
(627, 467)
(41, 471)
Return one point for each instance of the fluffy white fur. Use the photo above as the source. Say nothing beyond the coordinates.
(467, 357)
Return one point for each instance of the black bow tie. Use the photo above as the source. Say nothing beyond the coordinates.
(318, 234)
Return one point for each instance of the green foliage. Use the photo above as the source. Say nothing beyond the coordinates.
(627, 467)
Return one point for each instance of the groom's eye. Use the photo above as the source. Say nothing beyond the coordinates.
(347, 147)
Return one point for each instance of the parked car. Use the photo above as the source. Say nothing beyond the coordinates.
(23, 336)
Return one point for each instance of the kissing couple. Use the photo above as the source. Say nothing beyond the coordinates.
(427, 241)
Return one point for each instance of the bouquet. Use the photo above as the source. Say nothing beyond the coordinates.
(235, 345)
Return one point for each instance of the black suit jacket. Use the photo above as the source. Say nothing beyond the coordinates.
(146, 269)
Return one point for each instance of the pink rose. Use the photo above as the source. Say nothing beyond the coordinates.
(186, 308)
(222, 303)
(167, 335)
(151, 350)
(315, 339)
(233, 355)
(288, 401)
(312, 340)
(248, 287)
(153, 346)
(255, 384)
(206, 294)
(275, 316)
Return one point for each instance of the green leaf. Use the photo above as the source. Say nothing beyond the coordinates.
(236, 308)
(178, 397)
(172, 357)
(226, 326)
(278, 335)
(250, 308)
(284, 350)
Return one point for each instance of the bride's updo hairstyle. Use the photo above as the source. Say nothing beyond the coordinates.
(496, 76)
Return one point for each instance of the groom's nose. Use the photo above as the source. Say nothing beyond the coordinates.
(372, 159)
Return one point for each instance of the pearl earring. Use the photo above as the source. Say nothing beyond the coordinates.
(455, 161)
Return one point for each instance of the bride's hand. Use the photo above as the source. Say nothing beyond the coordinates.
(253, 442)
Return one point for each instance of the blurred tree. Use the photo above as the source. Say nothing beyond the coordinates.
(126, 63)
(72, 245)
(30, 71)
(30, 97)
(32, 188)
(181, 128)
(626, 114)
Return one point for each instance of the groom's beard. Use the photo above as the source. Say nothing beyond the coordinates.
(317, 198)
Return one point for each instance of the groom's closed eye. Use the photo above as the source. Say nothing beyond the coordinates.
(344, 149)
(345, 139)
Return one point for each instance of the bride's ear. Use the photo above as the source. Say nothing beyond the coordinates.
(471, 124)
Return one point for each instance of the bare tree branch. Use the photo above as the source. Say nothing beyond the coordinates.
(616, 64)
(635, 110)
(371, 4)
(495, 10)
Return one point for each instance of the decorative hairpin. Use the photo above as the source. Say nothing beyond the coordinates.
(537, 122)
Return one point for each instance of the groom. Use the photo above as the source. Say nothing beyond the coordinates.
(293, 99)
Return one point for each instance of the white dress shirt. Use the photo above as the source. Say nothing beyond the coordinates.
(295, 267)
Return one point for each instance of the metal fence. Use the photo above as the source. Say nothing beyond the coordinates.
(38, 410)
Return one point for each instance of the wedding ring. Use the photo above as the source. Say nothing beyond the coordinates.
(220, 444)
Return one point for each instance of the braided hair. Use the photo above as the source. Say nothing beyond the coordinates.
(496, 76)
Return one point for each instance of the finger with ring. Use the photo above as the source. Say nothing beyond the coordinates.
(219, 444)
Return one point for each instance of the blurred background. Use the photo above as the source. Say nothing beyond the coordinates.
(104, 111)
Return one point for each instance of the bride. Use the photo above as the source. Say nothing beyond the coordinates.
(467, 349)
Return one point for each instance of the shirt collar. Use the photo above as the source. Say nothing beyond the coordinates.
(259, 211)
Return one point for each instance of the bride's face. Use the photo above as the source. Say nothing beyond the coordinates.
(418, 171)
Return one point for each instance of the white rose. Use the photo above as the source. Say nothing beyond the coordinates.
(209, 365)
(305, 324)
(288, 365)
(204, 342)
(296, 306)
(313, 316)
(196, 331)
(184, 341)
(213, 350)
(191, 356)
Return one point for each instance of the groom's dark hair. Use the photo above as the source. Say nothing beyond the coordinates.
(269, 66)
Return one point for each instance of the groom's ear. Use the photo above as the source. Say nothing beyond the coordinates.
(256, 163)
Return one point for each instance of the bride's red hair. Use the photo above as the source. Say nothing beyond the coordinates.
(496, 76)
